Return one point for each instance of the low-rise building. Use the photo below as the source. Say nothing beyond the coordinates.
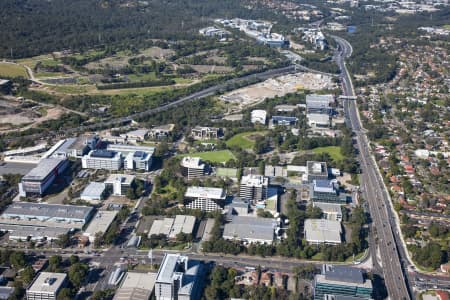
(250, 229)
(254, 188)
(46, 286)
(316, 170)
(213, 32)
(341, 282)
(319, 104)
(284, 121)
(120, 183)
(136, 286)
(179, 278)
(83, 145)
(125, 149)
(205, 133)
(331, 211)
(326, 191)
(102, 159)
(46, 215)
(94, 192)
(171, 227)
(100, 224)
(318, 120)
(321, 231)
(161, 132)
(39, 179)
(138, 135)
(258, 116)
(205, 198)
(192, 167)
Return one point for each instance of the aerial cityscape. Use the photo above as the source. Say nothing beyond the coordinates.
(207, 149)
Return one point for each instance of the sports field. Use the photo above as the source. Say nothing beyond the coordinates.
(221, 156)
(244, 140)
(333, 151)
(12, 70)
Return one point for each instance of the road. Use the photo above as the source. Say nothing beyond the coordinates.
(373, 190)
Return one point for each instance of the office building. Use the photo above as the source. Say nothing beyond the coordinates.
(125, 149)
(136, 286)
(138, 135)
(161, 132)
(258, 116)
(138, 160)
(39, 179)
(94, 192)
(341, 282)
(316, 170)
(192, 167)
(321, 231)
(254, 188)
(102, 159)
(331, 211)
(319, 104)
(205, 133)
(100, 223)
(120, 183)
(250, 229)
(205, 198)
(46, 286)
(284, 121)
(326, 191)
(171, 227)
(179, 278)
(46, 215)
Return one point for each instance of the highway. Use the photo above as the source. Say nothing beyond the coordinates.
(373, 190)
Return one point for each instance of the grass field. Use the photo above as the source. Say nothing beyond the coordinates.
(244, 140)
(226, 172)
(12, 70)
(213, 156)
(333, 151)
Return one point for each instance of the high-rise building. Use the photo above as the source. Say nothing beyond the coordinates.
(205, 198)
(179, 278)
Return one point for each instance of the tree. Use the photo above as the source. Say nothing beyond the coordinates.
(54, 263)
(27, 274)
(65, 294)
(17, 260)
(63, 240)
(77, 274)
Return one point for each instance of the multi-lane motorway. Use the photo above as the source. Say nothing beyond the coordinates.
(373, 190)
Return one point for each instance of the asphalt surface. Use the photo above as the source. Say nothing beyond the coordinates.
(373, 190)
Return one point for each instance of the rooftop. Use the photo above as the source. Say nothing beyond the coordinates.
(254, 180)
(123, 178)
(325, 186)
(317, 168)
(328, 207)
(101, 222)
(94, 189)
(140, 133)
(192, 162)
(43, 169)
(47, 282)
(343, 273)
(130, 148)
(205, 192)
(48, 210)
(103, 154)
(136, 286)
(243, 227)
(322, 231)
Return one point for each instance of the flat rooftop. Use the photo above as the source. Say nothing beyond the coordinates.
(48, 210)
(124, 178)
(317, 168)
(33, 231)
(192, 162)
(205, 192)
(101, 222)
(93, 189)
(254, 180)
(323, 231)
(43, 169)
(328, 207)
(47, 282)
(136, 286)
(130, 148)
(243, 227)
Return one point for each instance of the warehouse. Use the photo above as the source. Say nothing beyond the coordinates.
(136, 286)
(46, 215)
(320, 231)
(331, 211)
(171, 227)
(94, 192)
(100, 223)
(250, 230)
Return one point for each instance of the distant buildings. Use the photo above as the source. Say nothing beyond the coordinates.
(205, 133)
(192, 167)
(179, 278)
(250, 229)
(341, 282)
(315, 37)
(120, 183)
(136, 136)
(258, 116)
(46, 286)
(254, 188)
(326, 191)
(102, 159)
(205, 198)
(321, 231)
(39, 179)
(214, 32)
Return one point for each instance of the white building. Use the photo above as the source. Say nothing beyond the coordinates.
(100, 223)
(331, 211)
(250, 229)
(318, 120)
(192, 167)
(258, 116)
(120, 183)
(93, 192)
(102, 159)
(46, 286)
(138, 160)
(205, 198)
(171, 227)
(254, 188)
(321, 231)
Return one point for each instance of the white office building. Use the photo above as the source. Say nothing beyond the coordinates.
(46, 286)
(120, 183)
(254, 188)
(205, 198)
(102, 159)
(192, 167)
(138, 160)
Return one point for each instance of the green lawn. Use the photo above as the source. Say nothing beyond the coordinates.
(244, 140)
(226, 172)
(12, 70)
(333, 151)
(213, 156)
